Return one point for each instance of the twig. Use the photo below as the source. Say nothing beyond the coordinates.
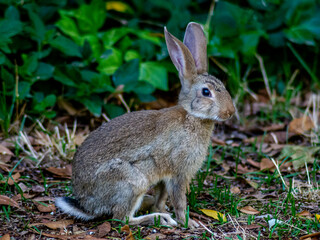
(123, 102)
(204, 226)
(105, 117)
(264, 76)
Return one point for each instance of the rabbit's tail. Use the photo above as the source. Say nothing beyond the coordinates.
(71, 206)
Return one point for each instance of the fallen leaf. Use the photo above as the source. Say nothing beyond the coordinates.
(311, 236)
(252, 183)
(6, 237)
(318, 217)
(46, 209)
(214, 214)
(103, 229)
(249, 210)
(38, 188)
(299, 154)
(156, 236)
(235, 190)
(5, 151)
(273, 127)
(4, 200)
(44, 199)
(301, 125)
(127, 230)
(65, 172)
(217, 141)
(304, 213)
(55, 225)
(14, 178)
(253, 163)
(25, 195)
(266, 163)
(23, 187)
(252, 226)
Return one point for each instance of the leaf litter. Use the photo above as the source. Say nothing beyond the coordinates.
(241, 162)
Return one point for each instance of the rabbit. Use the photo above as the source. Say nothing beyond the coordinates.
(122, 159)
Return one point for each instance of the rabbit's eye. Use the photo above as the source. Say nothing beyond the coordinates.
(206, 92)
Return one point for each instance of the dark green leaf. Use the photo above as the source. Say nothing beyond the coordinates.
(67, 46)
(12, 13)
(9, 28)
(30, 64)
(24, 89)
(93, 104)
(127, 73)
(44, 71)
(38, 30)
(155, 74)
(114, 110)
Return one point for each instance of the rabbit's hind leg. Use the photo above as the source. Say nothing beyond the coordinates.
(149, 219)
(160, 198)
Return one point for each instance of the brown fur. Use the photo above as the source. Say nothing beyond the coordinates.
(118, 163)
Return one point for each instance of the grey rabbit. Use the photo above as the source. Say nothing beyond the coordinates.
(122, 159)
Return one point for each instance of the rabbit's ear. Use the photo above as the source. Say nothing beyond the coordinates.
(196, 42)
(181, 58)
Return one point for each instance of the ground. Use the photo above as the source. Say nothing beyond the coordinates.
(260, 181)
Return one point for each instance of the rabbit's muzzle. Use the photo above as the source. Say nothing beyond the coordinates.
(227, 113)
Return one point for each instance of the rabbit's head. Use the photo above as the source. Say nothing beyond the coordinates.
(202, 95)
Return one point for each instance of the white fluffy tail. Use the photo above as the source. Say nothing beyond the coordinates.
(71, 206)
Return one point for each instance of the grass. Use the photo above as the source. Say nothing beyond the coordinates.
(227, 182)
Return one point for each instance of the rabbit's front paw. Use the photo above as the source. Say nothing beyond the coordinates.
(193, 224)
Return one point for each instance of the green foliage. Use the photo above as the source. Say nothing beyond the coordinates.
(238, 32)
(88, 52)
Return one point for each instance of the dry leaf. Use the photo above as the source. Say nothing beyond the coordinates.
(156, 236)
(249, 210)
(5, 151)
(252, 226)
(6, 237)
(312, 236)
(14, 178)
(55, 225)
(4, 200)
(253, 163)
(38, 188)
(304, 213)
(103, 229)
(46, 209)
(25, 195)
(252, 183)
(301, 125)
(273, 127)
(214, 214)
(235, 190)
(266, 163)
(126, 229)
(61, 172)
